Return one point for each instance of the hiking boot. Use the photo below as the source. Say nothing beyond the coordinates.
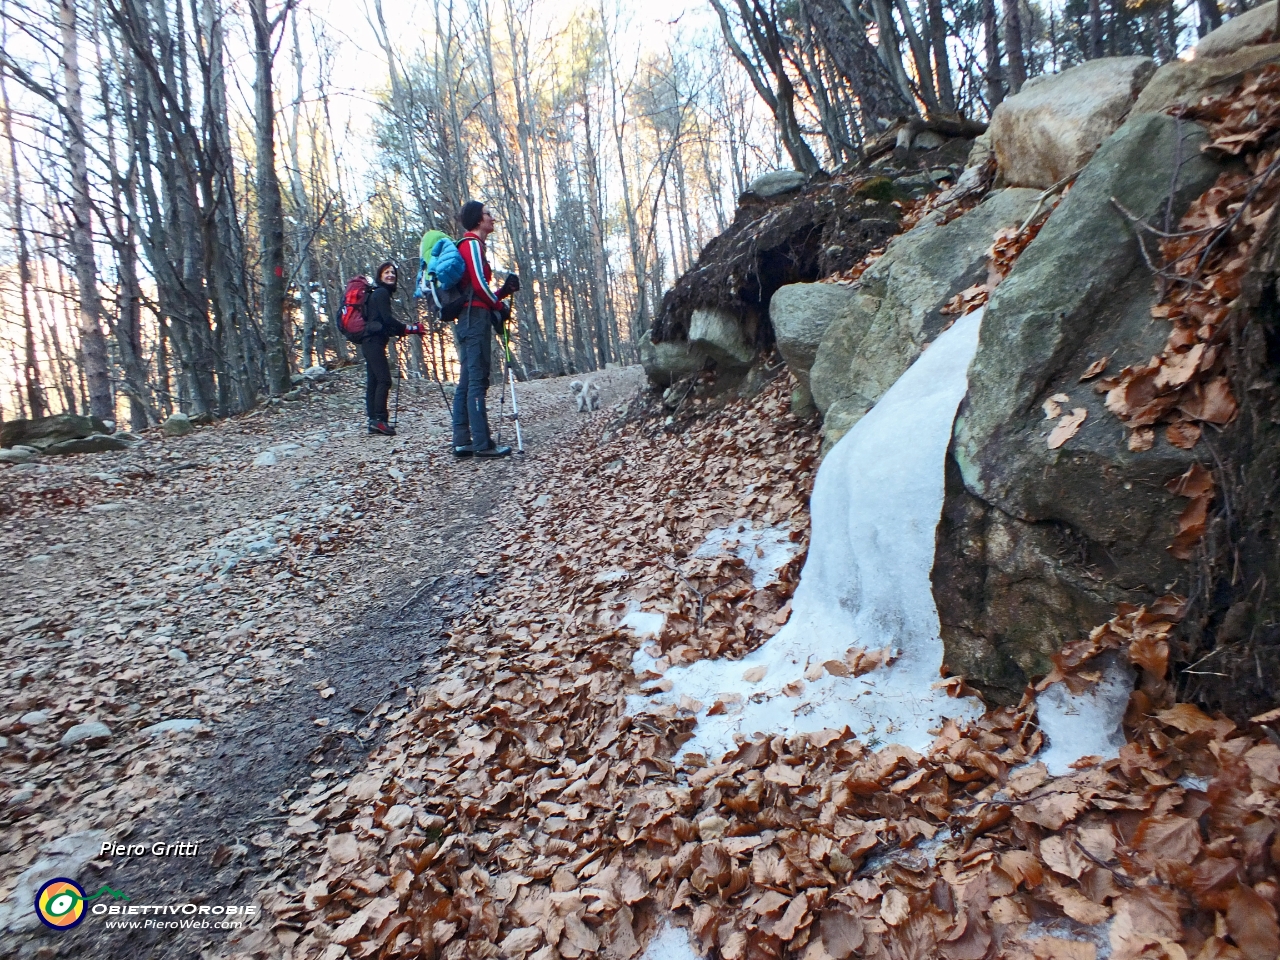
(492, 451)
(382, 427)
(463, 450)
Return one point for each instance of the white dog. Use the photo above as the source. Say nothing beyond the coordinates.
(586, 395)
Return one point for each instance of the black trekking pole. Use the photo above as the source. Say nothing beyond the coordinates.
(395, 416)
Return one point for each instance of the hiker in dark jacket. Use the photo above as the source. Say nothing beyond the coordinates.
(484, 313)
(380, 326)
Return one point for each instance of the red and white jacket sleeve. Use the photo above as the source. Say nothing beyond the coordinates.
(478, 273)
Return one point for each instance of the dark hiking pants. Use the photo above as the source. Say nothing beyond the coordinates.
(377, 378)
(473, 337)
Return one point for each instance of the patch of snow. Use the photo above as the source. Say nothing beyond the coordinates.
(642, 623)
(609, 576)
(765, 551)
(875, 509)
(1065, 928)
(671, 943)
(1087, 723)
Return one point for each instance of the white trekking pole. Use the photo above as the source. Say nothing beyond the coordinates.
(511, 381)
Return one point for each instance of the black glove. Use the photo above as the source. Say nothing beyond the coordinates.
(500, 317)
(509, 286)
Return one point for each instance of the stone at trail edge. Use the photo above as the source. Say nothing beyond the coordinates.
(266, 458)
(665, 363)
(1240, 31)
(19, 455)
(777, 182)
(83, 732)
(1051, 128)
(34, 718)
(182, 725)
(178, 425)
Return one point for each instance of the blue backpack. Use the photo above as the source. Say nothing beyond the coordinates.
(441, 275)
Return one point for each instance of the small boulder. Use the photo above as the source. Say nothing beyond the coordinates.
(293, 396)
(178, 425)
(19, 455)
(1240, 31)
(800, 314)
(266, 458)
(171, 726)
(34, 718)
(316, 372)
(777, 182)
(719, 334)
(665, 363)
(85, 733)
(98, 443)
(1050, 129)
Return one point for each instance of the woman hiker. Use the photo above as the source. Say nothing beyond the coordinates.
(380, 326)
(484, 313)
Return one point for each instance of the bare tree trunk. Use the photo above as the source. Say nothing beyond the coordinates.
(941, 61)
(991, 34)
(1013, 45)
(1095, 27)
(270, 207)
(31, 368)
(93, 343)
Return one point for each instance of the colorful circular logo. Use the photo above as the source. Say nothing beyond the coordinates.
(60, 903)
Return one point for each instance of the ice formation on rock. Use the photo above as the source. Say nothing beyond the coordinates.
(875, 508)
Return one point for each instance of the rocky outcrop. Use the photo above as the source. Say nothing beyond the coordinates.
(47, 432)
(1052, 127)
(1248, 28)
(1185, 82)
(1037, 543)
(897, 308)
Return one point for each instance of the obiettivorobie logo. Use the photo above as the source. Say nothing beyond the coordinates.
(60, 903)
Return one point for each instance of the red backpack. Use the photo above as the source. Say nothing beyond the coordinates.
(351, 320)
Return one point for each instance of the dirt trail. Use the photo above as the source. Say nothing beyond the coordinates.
(290, 607)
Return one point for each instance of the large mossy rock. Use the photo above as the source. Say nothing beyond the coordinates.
(45, 432)
(897, 308)
(1037, 545)
(1051, 128)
